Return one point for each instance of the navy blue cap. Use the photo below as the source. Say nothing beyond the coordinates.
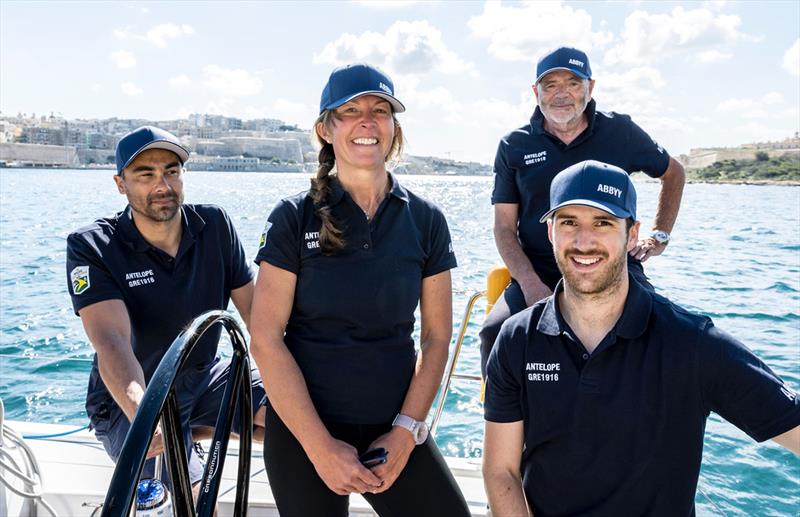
(564, 58)
(595, 184)
(144, 138)
(351, 81)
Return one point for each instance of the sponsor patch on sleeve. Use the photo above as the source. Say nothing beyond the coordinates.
(79, 276)
(263, 239)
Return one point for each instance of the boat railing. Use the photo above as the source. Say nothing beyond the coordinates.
(160, 403)
(496, 281)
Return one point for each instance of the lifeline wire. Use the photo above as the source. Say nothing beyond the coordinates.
(29, 475)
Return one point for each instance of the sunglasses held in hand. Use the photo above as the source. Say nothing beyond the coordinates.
(374, 457)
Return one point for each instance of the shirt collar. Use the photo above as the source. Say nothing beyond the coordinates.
(396, 189)
(192, 223)
(537, 119)
(631, 324)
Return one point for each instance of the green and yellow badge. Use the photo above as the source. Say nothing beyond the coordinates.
(80, 279)
(263, 240)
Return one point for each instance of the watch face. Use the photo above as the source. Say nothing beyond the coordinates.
(660, 236)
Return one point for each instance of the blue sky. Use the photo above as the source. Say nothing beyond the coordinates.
(692, 74)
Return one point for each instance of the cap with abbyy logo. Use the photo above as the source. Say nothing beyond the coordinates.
(564, 58)
(144, 138)
(595, 184)
(351, 81)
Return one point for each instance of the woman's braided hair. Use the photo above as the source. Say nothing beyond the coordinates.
(331, 237)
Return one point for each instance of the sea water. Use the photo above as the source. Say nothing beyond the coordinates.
(735, 256)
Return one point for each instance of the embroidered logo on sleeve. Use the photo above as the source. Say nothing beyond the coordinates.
(263, 240)
(79, 276)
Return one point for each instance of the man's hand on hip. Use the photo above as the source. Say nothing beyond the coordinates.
(534, 290)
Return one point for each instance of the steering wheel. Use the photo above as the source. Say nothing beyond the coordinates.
(160, 402)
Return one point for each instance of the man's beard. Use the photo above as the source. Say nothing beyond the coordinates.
(161, 213)
(580, 107)
(607, 280)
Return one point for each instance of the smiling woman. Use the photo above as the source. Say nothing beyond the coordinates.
(345, 378)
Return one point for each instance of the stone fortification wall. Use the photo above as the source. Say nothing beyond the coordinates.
(699, 158)
(96, 156)
(38, 155)
(265, 148)
(210, 147)
(303, 137)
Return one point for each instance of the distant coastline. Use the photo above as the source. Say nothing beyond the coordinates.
(762, 170)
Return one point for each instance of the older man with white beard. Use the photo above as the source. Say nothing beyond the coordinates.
(565, 129)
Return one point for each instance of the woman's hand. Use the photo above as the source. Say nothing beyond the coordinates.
(398, 444)
(338, 466)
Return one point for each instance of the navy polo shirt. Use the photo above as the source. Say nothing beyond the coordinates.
(620, 431)
(350, 328)
(528, 159)
(110, 259)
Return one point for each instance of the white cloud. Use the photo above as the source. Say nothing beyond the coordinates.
(130, 89)
(647, 37)
(386, 4)
(715, 5)
(124, 59)
(484, 114)
(220, 106)
(157, 35)
(791, 59)
(405, 48)
(772, 98)
(234, 82)
(524, 32)
(768, 106)
(634, 92)
(760, 132)
(712, 56)
(637, 92)
(180, 81)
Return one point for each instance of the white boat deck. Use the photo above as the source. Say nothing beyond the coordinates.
(76, 472)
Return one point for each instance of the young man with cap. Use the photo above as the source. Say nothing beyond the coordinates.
(565, 129)
(139, 277)
(603, 388)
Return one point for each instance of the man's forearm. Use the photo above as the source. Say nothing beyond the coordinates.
(125, 382)
(506, 498)
(515, 259)
(669, 198)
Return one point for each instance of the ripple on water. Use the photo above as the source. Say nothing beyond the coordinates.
(786, 317)
(782, 287)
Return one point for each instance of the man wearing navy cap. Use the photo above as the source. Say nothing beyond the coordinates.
(603, 388)
(138, 278)
(565, 129)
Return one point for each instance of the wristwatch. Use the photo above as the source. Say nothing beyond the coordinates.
(419, 430)
(660, 236)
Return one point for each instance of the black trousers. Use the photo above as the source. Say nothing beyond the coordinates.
(424, 488)
(512, 301)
